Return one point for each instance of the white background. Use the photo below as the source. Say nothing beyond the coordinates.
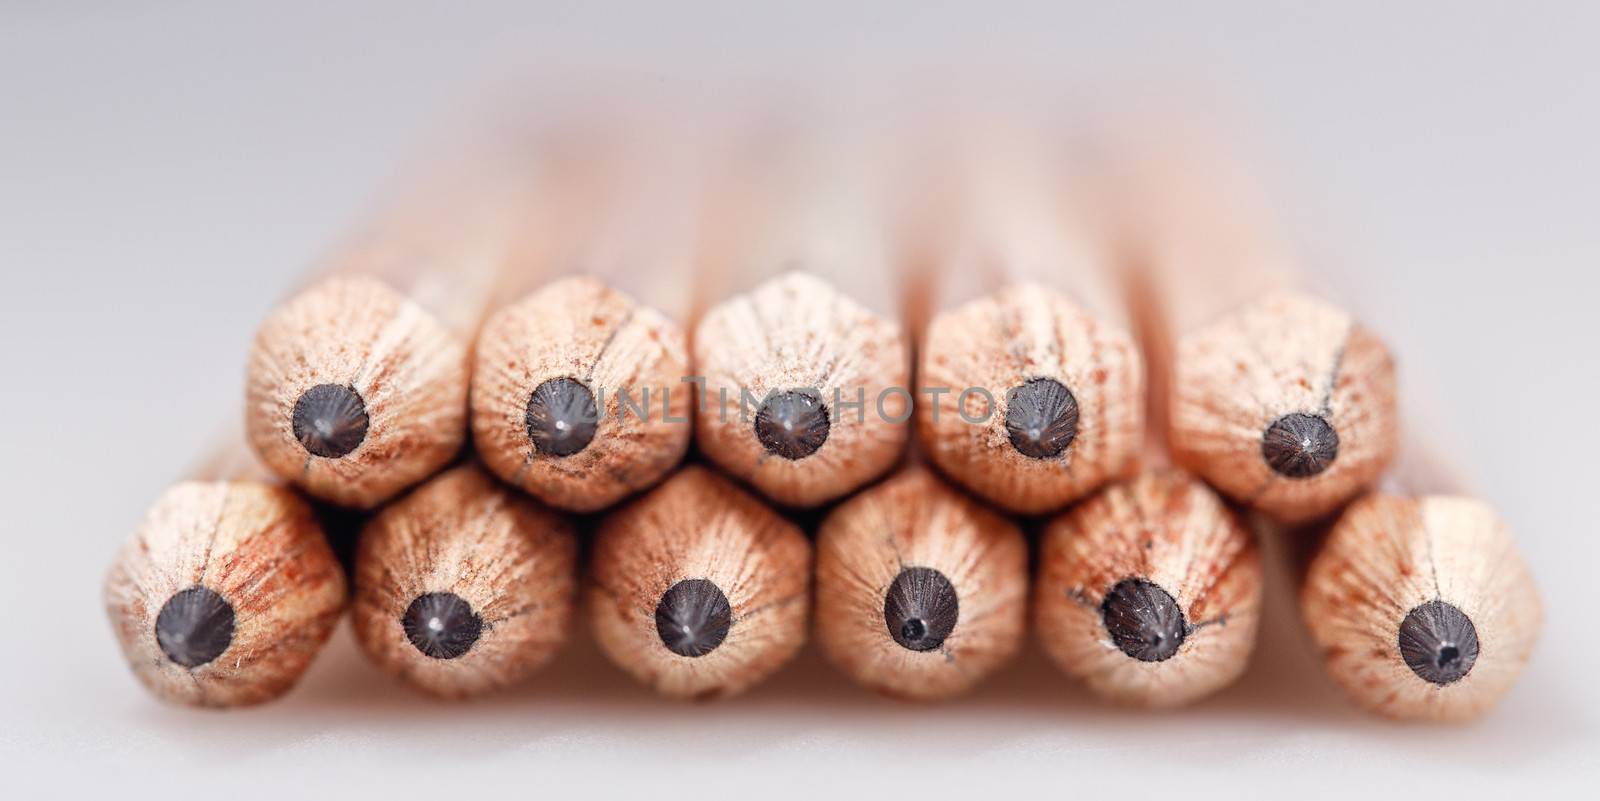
(167, 168)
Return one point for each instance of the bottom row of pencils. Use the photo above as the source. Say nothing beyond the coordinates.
(1149, 592)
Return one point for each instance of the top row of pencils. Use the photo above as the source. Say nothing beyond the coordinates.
(1106, 323)
(1020, 273)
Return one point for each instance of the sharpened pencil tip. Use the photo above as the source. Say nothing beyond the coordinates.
(1041, 418)
(693, 617)
(1299, 445)
(1438, 642)
(920, 608)
(792, 424)
(441, 625)
(561, 417)
(330, 420)
(1144, 620)
(194, 626)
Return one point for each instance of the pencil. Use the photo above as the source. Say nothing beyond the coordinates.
(577, 393)
(1149, 592)
(1419, 602)
(1280, 399)
(804, 376)
(463, 587)
(226, 591)
(697, 589)
(1030, 385)
(921, 591)
(357, 386)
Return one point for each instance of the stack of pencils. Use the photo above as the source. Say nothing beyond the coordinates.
(712, 383)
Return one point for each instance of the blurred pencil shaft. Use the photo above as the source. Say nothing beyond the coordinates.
(996, 203)
(815, 342)
(804, 191)
(1279, 399)
(1060, 378)
(577, 384)
(357, 385)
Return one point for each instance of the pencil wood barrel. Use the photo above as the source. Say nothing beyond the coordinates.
(1149, 592)
(921, 590)
(1418, 600)
(227, 590)
(578, 394)
(1280, 399)
(357, 385)
(697, 589)
(464, 587)
(806, 368)
(1030, 385)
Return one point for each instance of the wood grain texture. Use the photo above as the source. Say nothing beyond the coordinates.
(391, 317)
(1219, 287)
(915, 520)
(512, 560)
(1167, 528)
(409, 370)
(1017, 275)
(798, 250)
(260, 549)
(698, 525)
(601, 286)
(798, 332)
(1388, 554)
(1285, 353)
(579, 328)
(999, 342)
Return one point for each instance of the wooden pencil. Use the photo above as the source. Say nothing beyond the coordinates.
(357, 385)
(1149, 592)
(1279, 399)
(805, 373)
(227, 590)
(577, 391)
(463, 587)
(697, 589)
(1030, 385)
(921, 591)
(1419, 602)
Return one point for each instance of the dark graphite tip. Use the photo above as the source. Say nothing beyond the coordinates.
(792, 424)
(441, 625)
(194, 627)
(692, 617)
(1042, 418)
(1299, 445)
(561, 417)
(1438, 642)
(920, 608)
(330, 420)
(1144, 620)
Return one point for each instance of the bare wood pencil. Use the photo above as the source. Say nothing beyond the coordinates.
(1419, 601)
(227, 590)
(805, 374)
(697, 589)
(577, 393)
(1281, 400)
(463, 587)
(1030, 385)
(921, 591)
(1149, 592)
(357, 386)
